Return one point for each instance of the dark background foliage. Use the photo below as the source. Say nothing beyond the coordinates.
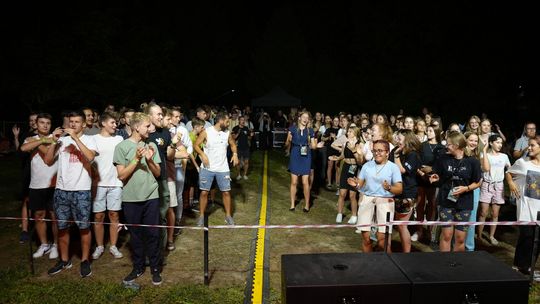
(456, 58)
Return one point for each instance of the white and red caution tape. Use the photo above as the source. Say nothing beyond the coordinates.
(314, 226)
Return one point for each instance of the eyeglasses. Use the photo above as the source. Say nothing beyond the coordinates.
(378, 151)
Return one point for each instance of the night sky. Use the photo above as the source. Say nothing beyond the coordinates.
(456, 59)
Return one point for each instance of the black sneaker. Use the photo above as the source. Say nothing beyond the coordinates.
(135, 273)
(156, 277)
(24, 237)
(60, 265)
(85, 269)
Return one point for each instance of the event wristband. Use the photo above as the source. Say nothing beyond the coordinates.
(135, 161)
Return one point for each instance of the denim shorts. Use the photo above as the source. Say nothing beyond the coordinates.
(206, 178)
(72, 205)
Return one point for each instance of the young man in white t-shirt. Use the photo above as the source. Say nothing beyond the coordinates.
(74, 152)
(42, 182)
(108, 195)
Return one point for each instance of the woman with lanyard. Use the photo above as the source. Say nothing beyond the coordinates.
(457, 175)
(472, 150)
(494, 164)
(300, 141)
(406, 157)
(426, 207)
(379, 180)
(523, 179)
(352, 158)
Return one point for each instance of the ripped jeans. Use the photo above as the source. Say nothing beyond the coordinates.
(206, 178)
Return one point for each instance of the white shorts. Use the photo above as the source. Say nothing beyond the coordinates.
(367, 207)
(173, 202)
(107, 198)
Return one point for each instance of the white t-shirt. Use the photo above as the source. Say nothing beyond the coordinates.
(497, 164)
(526, 175)
(42, 176)
(73, 168)
(108, 175)
(215, 149)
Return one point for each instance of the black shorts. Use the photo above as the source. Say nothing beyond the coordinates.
(192, 178)
(243, 154)
(41, 199)
(346, 173)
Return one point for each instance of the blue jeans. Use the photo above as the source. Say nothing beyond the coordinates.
(469, 240)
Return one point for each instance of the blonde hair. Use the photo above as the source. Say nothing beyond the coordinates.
(476, 151)
(457, 139)
(468, 128)
(138, 118)
(387, 130)
(357, 132)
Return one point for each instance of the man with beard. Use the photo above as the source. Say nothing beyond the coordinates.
(214, 164)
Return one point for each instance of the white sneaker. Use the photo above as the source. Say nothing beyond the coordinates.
(98, 252)
(337, 192)
(239, 177)
(493, 241)
(352, 220)
(43, 249)
(53, 255)
(115, 252)
(339, 218)
(245, 177)
(414, 237)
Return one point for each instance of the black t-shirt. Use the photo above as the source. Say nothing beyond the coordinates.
(456, 172)
(431, 152)
(411, 162)
(327, 133)
(162, 138)
(280, 122)
(243, 137)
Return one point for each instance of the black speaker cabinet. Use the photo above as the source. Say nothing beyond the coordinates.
(461, 277)
(342, 278)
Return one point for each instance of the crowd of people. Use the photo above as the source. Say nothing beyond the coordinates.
(153, 164)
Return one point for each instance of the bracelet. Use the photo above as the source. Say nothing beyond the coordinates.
(134, 161)
(468, 189)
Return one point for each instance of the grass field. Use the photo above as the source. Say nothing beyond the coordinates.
(229, 255)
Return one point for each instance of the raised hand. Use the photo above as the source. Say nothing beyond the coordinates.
(16, 130)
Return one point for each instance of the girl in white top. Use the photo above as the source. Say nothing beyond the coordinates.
(493, 164)
(524, 182)
(108, 195)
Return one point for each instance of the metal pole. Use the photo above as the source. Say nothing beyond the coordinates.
(387, 233)
(535, 247)
(206, 279)
(32, 268)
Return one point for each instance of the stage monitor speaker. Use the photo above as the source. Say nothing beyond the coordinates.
(461, 277)
(342, 278)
